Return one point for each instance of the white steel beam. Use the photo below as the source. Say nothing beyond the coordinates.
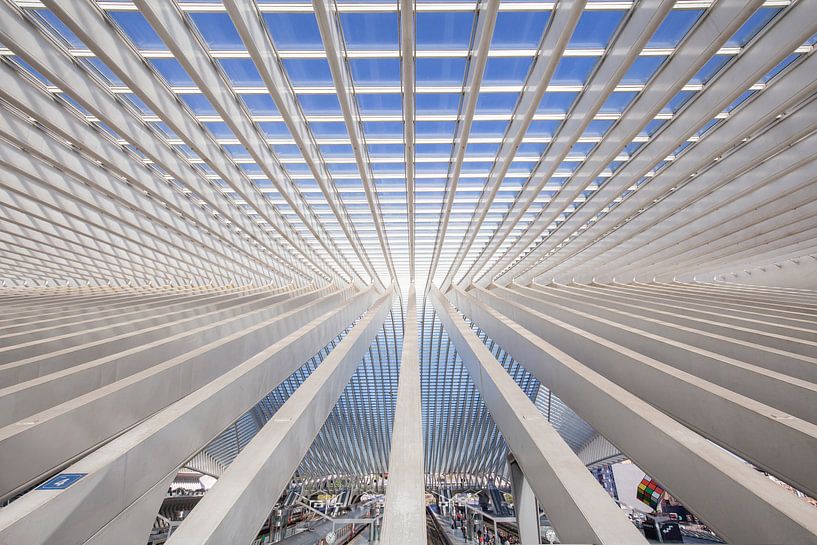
(672, 341)
(486, 21)
(690, 467)
(755, 431)
(235, 508)
(51, 60)
(703, 41)
(56, 118)
(171, 24)
(579, 509)
(561, 24)
(119, 473)
(404, 511)
(126, 401)
(334, 45)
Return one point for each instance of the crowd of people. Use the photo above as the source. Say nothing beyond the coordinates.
(481, 537)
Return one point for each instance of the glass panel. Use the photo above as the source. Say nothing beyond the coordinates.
(618, 101)
(437, 103)
(519, 29)
(260, 104)
(556, 102)
(440, 71)
(218, 31)
(172, 71)
(443, 30)
(294, 30)
(642, 70)
(674, 27)
(370, 30)
(752, 26)
(380, 104)
(493, 103)
(308, 71)
(375, 71)
(709, 69)
(138, 29)
(594, 29)
(241, 72)
(507, 70)
(58, 29)
(573, 70)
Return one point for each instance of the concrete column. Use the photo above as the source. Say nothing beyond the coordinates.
(404, 513)
(525, 506)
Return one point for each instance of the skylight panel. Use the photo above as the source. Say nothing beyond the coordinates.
(440, 71)
(652, 126)
(25, 67)
(531, 148)
(387, 128)
(328, 129)
(260, 104)
(287, 151)
(642, 70)
(54, 26)
(546, 128)
(780, 67)
(738, 101)
(320, 104)
(594, 29)
(135, 101)
(573, 70)
(482, 150)
(241, 72)
(375, 71)
(752, 26)
(441, 30)
(297, 31)
(437, 103)
(493, 103)
(558, 103)
(680, 98)
(138, 30)
(618, 101)
(437, 150)
(219, 129)
(380, 103)
(101, 70)
(274, 129)
(308, 71)
(386, 150)
(675, 26)
(173, 72)
(489, 128)
(507, 70)
(218, 31)
(519, 29)
(370, 30)
(237, 151)
(434, 128)
(708, 70)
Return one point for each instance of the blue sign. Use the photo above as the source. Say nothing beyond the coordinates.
(61, 481)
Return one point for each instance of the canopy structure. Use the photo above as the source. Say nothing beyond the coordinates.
(251, 200)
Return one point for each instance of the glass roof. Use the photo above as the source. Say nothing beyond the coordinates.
(502, 133)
